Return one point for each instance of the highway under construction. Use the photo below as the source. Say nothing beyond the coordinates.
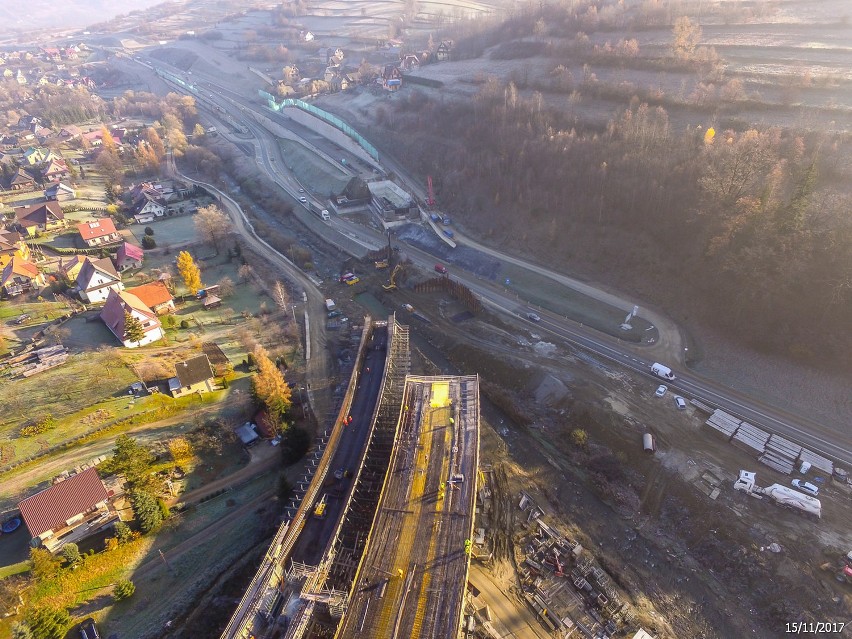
(376, 540)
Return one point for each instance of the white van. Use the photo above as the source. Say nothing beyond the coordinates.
(325, 215)
(662, 371)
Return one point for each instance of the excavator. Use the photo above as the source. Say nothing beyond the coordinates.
(391, 285)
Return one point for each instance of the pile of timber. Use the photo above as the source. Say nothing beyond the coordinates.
(40, 360)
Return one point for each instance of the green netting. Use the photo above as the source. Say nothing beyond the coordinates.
(325, 116)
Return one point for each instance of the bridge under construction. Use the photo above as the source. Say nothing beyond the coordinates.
(376, 540)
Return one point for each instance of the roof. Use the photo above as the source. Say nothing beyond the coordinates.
(53, 189)
(90, 266)
(21, 267)
(71, 262)
(151, 294)
(194, 370)
(39, 213)
(99, 228)
(246, 433)
(214, 353)
(120, 302)
(128, 251)
(53, 506)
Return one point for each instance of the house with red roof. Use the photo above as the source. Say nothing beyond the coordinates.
(69, 510)
(19, 275)
(118, 306)
(99, 232)
(96, 279)
(128, 256)
(156, 296)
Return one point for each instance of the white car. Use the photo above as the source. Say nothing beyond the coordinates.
(301, 190)
(661, 390)
(533, 317)
(303, 200)
(806, 487)
(680, 402)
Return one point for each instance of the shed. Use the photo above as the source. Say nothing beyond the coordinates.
(247, 434)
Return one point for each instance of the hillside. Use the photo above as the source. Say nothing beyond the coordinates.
(30, 15)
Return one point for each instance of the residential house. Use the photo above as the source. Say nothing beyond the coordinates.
(128, 256)
(69, 510)
(12, 245)
(47, 216)
(19, 275)
(96, 279)
(409, 62)
(192, 376)
(148, 203)
(70, 132)
(350, 80)
(444, 51)
(70, 267)
(99, 232)
(21, 181)
(59, 192)
(156, 296)
(114, 314)
(55, 170)
(34, 156)
(391, 78)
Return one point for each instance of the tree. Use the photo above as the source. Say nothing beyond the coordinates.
(107, 141)
(579, 437)
(70, 553)
(245, 271)
(122, 532)
(281, 296)
(198, 132)
(21, 630)
(123, 590)
(110, 166)
(226, 287)
(295, 443)
(146, 510)
(686, 36)
(44, 564)
(269, 386)
(189, 271)
(134, 332)
(48, 623)
(130, 459)
(148, 242)
(212, 225)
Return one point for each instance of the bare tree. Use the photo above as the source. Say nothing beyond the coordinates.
(212, 224)
(686, 36)
(281, 296)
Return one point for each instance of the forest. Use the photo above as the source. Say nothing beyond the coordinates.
(744, 229)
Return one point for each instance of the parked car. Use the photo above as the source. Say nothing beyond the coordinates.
(680, 402)
(806, 487)
(88, 629)
(334, 314)
(533, 317)
(662, 389)
(20, 319)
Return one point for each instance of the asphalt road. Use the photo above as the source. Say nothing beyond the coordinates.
(833, 442)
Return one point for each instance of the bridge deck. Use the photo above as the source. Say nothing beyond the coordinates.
(412, 579)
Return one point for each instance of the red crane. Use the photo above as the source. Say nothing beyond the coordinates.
(430, 200)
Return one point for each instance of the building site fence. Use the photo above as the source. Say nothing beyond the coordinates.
(325, 116)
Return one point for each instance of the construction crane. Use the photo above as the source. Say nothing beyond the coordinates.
(391, 285)
(558, 563)
(430, 199)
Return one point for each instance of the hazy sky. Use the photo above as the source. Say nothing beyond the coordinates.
(25, 15)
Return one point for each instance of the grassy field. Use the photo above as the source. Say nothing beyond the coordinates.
(318, 176)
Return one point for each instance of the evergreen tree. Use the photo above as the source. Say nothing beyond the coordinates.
(146, 510)
(133, 330)
(129, 458)
(123, 589)
(189, 271)
(71, 553)
(47, 623)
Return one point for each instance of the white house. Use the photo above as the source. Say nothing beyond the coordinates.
(118, 304)
(96, 279)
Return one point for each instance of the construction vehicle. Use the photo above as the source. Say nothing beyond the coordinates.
(781, 495)
(391, 285)
(319, 508)
(380, 264)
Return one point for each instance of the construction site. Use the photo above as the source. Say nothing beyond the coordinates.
(377, 536)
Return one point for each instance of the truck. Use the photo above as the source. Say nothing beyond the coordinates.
(319, 508)
(780, 494)
(663, 372)
(329, 305)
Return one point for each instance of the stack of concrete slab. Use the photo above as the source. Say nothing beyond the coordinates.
(724, 424)
(750, 439)
(817, 461)
(781, 454)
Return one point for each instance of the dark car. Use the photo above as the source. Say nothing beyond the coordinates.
(88, 629)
